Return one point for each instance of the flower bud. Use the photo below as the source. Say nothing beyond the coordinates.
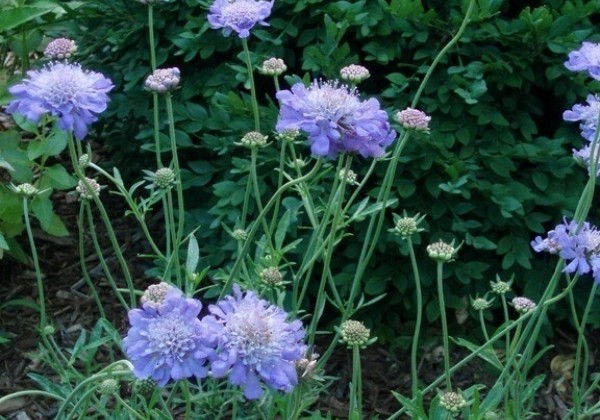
(254, 139)
(26, 190)
(349, 177)
(441, 251)
(523, 305)
(163, 80)
(144, 387)
(480, 304)
(287, 135)
(60, 48)
(84, 161)
(239, 235)
(108, 386)
(164, 177)
(273, 67)
(413, 119)
(452, 402)
(271, 276)
(155, 294)
(354, 73)
(354, 333)
(83, 190)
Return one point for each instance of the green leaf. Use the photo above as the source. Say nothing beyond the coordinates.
(14, 17)
(193, 255)
(41, 208)
(487, 354)
(59, 178)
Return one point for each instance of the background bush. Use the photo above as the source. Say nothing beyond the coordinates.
(496, 171)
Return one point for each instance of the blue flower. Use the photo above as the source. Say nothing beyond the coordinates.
(257, 344)
(583, 157)
(238, 15)
(587, 58)
(335, 119)
(587, 115)
(578, 245)
(167, 340)
(63, 90)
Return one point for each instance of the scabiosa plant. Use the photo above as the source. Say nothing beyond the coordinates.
(523, 305)
(167, 340)
(238, 15)
(587, 115)
(66, 91)
(258, 344)
(335, 119)
(578, 245)
(85, 192)
(413, 119)
(587, 58)
(273, 67)
(163, 80)
(354, 73)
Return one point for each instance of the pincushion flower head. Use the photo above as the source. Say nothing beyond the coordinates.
(258, 344)
(167, 340)
(238, 15)
(587, 58)
(66, 91)
(578, 245)
(335, 119)
(587, 115)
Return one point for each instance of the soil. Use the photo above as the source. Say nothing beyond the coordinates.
(72, 310)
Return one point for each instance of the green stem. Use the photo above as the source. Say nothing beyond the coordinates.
(180, 205)
(440, 289)
(483, 327)
(252, 86)
(109, 229)
(36, 265)
(355, 406)
(255, 225)
(254, 175)
(29, 393)
(279, 184)
(417, 332)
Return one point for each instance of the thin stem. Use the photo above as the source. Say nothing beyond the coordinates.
(254, 175)
(355, 405)
(252, 86)
(179, 187)
(417, 332)
(36, 265)
(440, 289)
(483, 326)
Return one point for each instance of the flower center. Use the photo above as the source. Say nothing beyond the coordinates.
(170, 335)
(330, 101)
(241, 12)
(252, 333)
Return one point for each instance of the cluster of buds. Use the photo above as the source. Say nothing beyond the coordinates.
(273, 67)
(239, 235)
(523, 305)
(83, 190)
(500, 287)
(354, 333)
(60, 49)
(26, 190)
(481, 304)
(164, 177)
(287, 135)
(144, 387)
(442, 251)
(108, 386)
(406, 226)
(163, 80)
(349, 177)
(413, 119)
(254, 139)
(453, 402)
(156, 294)
(271, 276)
(354, 73)
(83, 161)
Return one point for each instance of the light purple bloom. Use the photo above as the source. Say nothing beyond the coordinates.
(238, 15)
(578, 245)
(63, 90)
(335, 119)
(167, 340)
(257, 344)
(587, 58)
(587, 115)
(583, 157)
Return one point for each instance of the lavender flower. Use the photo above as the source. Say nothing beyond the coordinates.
(66, 91)
(578, 245)
(257, 344)
(587, 58)
(335, 119)
(239, 15)
(582, 156)
(587, 115)
(167, 340)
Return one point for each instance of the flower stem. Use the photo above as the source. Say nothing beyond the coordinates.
(355, 406)
(419, 317)
(440, 288)
(252, 86)
(36, 265)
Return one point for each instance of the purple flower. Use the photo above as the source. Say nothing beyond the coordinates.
(335, 119)
(587, 115)
(578, 245)
(582, 156)
(587, 58)
(167, 340)
(66, 91)
(239, 15)
(257, 344)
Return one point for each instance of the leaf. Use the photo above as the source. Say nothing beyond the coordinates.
(59, 178)
(193, 256)
(12, 18)
(487, 354)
